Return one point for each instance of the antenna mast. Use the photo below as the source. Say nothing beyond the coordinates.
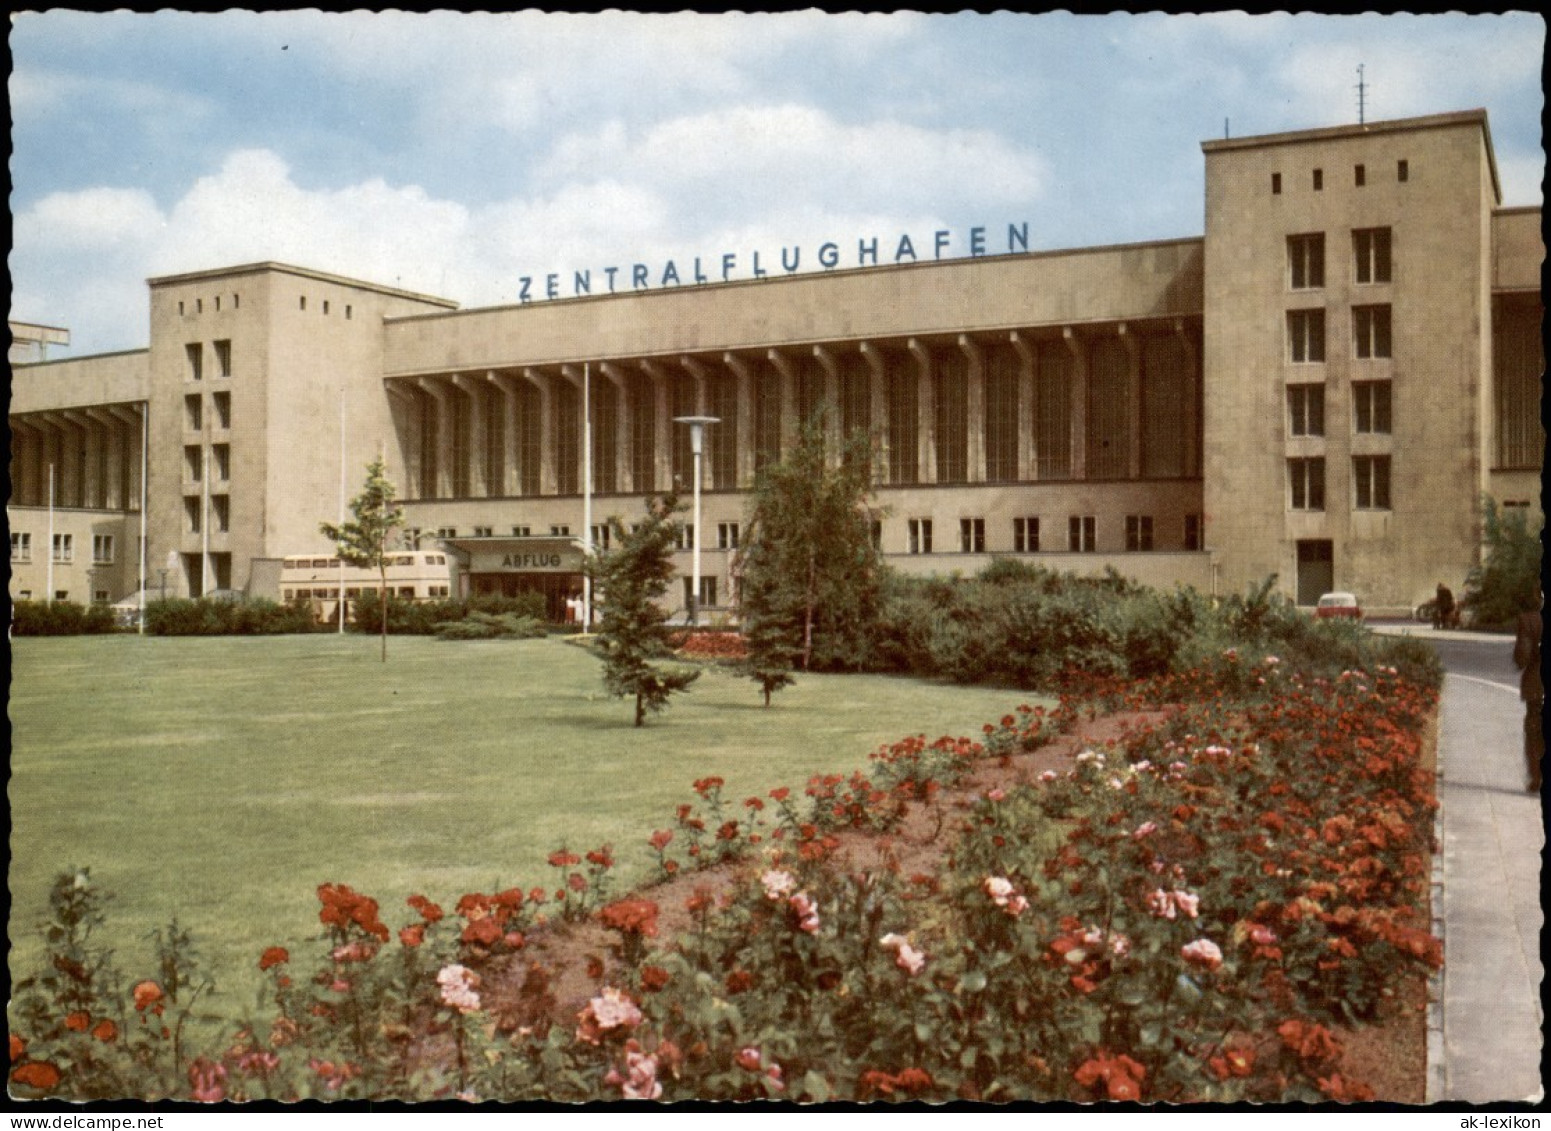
(1362, 89)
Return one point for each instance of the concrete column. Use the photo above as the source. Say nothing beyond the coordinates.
(1133, 349)
(131, 425)
(701, 376)
(1028, 438)
(1192, 398)
(832, 399)
(975, 409)
(445, 441)
(788, 386)
(548, 481)
(926, 413)
(743, 374)
(574, 376)
(1079, 394)
(476, 453)
(878, 405)
(624, 438)
(662, 426)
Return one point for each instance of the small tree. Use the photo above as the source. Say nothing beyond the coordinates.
(810, 572)
(1508, 579)
(363, 542)
(631, 580)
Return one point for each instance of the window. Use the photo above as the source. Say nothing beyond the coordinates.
(446, 531)
(482, 532)
(21, 546)
(1276, 184)
(222, 403)
(1080, 533)
(1402, 170)
(196, 361)
(707, 591)
(24, 595)
(686, 536)
(1306, 260)
(64, 547)
(1307, 479)
(61, 594)
(100, 596)
(1319, 180)
(1306, 335)
(1371, 331)
(406, 590)
(1192, 532)
(348, 312)
(919, 536)
(412, 537)
(1025, 535)
(1371, 406)
(221, 455)
(218, 302)
(561, 531)
(199, 306)
(1306, 410)
(601, 536)
(1371, 255)
(236, 301)
(223, 358)
(221, 508)
(727, 535)
(1370, 474)
(193, 462)
(972, 535)
(193, 414)
(520, 531)
(325, 306)
(191, 513)
(102, 549)
(303, 303)
(1360, 175)
(876, 529)
(1138, 532)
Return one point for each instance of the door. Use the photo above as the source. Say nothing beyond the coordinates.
(1316, 570)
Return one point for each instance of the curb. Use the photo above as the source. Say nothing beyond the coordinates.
(1437, 1074)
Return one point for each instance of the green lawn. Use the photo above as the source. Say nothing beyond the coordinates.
(224, 779)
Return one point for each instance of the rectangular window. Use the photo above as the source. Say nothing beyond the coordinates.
(1402, 170)
(446, 531)
(196, 361)
(1306, 410)
(520, 531)
(1370, 474)
(1276, 184)
(222, 403)
(221, 509)
(191, 514)
(1360, 175)
(21, 546)
(1025, 535)
(1307, 480)
(877, 534)
(601, 536)
(221, 456)
(483, 532)
(1192, 532)
(1319, 180)
(64, 547)
(302, 303)
(1371, 406)
(1306, 260)
(920, 536)
(1371, 255)
(193, 462)
(223, 358)
(972, 535)
(349, 314)
(707, 591)
(101, 595)
(412, 538)
(325, 306)
(1081, 530)
(561, 531)
(686, 536)
(1371, 331)
(727, 535)
(102, 549)
(1306, 335)
(1138, 532)
(193, 413)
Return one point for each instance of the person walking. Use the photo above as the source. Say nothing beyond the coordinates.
(1526, 655)
(1443, 607)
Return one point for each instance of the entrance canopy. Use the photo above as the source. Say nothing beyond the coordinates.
(551, 566)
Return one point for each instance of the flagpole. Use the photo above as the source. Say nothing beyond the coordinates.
(49, 596)
(145, 436)
(586, 493)
(341, 506)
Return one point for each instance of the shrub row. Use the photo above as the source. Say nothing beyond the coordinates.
(425, 618)
(179, 616)
(59, 618)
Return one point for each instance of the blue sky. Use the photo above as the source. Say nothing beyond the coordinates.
(454, 154)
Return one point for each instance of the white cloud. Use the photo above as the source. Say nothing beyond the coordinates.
(1521, 179)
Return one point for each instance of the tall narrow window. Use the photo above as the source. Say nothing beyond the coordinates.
(1001, 415)
(1371, 255)
(193, 414)
(1360, 175)
(1370, 475)
(1371, 406)
(1081, 533)
(1306, 410)
(950, 380)
(876, 529)
(221, 458)
(972, 535)
(1138, 532)
(1306, 260)
(1371, 331)
(904, 412)
(221, 513)
(64, 548)
(601, 536)
(21, 546)
(191, 514)
(195, 352)
(1276, 184)
(1319, 179)
(1306, 335)
(686, 535)
(193, 462)
(1402, 170)
(1306, 478)
(1025, 535)
(920, 536)
(222, 403)
(223, 358)
(726, 535)
(1192, 532)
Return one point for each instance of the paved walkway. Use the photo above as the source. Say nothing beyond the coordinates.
(1493, 834)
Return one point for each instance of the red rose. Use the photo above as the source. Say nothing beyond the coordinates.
(274, 956)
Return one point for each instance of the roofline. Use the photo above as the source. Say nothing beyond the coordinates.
(1517, 209)
(36, 325)
(785, 277)
(82, 357)
(302, 272)
(1476, 117)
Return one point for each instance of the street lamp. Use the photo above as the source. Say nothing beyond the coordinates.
(696, 445)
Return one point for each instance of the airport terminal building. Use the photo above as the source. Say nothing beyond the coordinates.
(1325, 386)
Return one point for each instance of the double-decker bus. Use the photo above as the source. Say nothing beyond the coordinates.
(413, 575)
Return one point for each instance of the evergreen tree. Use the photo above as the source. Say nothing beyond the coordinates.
(809, 570)
(632, 579)
(1507, 582)
(363, 542)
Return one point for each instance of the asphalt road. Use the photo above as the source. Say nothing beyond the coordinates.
(1491, 660)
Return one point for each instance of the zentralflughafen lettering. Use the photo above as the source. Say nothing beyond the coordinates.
(870, 252)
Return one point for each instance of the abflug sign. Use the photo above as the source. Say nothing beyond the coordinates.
(869, 253)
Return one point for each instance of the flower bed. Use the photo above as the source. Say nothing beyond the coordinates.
(1194, 910)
